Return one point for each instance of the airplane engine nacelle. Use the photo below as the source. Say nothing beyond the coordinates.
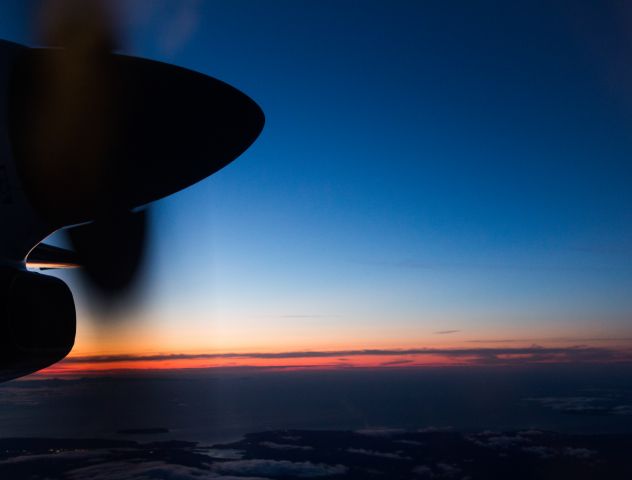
(37, 322)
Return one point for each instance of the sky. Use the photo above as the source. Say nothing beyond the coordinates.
(430, 176)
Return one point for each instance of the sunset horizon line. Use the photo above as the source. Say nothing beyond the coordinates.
(345, 358)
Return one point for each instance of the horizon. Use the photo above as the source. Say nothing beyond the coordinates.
(565, 353)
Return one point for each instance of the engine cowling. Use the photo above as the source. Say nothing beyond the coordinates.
(37, 322)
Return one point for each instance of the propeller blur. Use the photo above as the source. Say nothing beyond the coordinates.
(87, 138)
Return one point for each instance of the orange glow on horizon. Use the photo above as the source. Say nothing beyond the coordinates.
(367, 361)
(149, 344)
(77, 365)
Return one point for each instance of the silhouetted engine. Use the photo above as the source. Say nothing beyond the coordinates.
(37, 322)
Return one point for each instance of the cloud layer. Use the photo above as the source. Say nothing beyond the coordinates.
(475, 356)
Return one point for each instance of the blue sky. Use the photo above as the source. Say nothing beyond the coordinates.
(423, 167)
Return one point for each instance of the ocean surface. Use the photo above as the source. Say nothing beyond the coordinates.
(214, 406)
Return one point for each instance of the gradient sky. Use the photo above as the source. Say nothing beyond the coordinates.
(424, 168)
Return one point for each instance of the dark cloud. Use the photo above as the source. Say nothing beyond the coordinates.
(284, 446)
(433, 429)
(403, 361)
(545, 452)
(32, 393)
(622, 410)
(423, 471)
(571, 404)
(410, 442)
(73, 456)
(484, 356)
(499, 441)
(279, 468)
(446, 332)
(375, 453)
(447, 470)
(380, 431)
(341, 454)
(222, 453)
(586, 405)
(530, 433)
(107, 464)
(126, 470)
(552, 339)
(583, 453)
(540, 451)
(20, 397)
(440, 470)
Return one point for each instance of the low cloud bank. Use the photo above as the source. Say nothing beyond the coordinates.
(475, 356)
